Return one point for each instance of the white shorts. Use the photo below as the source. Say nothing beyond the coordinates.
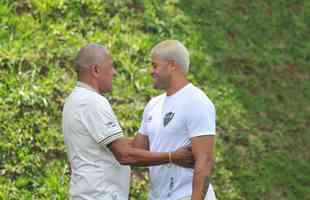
(210, 196)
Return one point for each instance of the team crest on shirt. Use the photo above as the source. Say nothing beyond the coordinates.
(149, 119)
(168, 117)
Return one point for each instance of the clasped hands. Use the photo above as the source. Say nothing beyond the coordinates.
(183, 157)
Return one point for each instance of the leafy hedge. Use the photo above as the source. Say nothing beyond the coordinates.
(250, 57)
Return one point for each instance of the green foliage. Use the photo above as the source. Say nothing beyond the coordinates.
(250, 57)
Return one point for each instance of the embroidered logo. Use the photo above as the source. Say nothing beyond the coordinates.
(149, 119)
(168, 117)
(110, 124)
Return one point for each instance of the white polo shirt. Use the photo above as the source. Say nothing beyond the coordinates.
(170, 122)
(89, 125)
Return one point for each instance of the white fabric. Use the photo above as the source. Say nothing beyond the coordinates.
(192, 114)
(89, 125)
(210, 195)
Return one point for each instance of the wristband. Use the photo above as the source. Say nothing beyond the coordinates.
(170, 159)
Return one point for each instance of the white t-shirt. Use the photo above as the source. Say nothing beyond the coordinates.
(89, 125)
(170, 122)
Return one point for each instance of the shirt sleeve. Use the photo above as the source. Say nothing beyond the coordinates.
(200, 119)
(101, 122)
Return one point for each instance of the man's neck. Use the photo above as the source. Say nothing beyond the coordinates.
(176, 86)
(90, 84)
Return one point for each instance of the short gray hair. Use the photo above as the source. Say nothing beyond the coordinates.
(174, 50)
(91, 54)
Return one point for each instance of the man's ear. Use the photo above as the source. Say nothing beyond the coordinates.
(94, 70)
(173, 65)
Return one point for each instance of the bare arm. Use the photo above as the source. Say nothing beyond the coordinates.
(202, 148)
(141, 142)
(127, 155)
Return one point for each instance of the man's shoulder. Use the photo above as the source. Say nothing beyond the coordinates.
(198, 96)
(155, 100)
(88, 98)
(98, 102)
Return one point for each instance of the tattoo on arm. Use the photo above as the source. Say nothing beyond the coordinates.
(205, 187)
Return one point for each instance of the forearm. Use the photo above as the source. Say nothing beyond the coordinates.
(138, 154)
(127, 155)
(202, 171)
(140, 157)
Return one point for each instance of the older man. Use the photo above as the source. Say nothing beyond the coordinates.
(182, 115)
(94, 138)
